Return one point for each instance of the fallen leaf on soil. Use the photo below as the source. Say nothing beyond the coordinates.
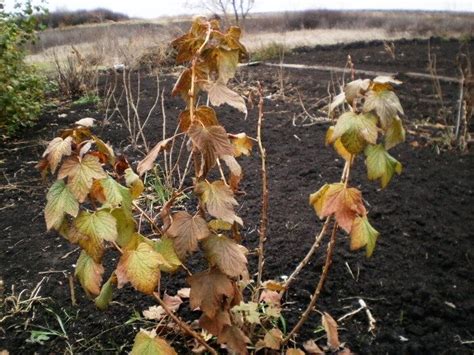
(312, 348)
(330, 326)
(184, 292)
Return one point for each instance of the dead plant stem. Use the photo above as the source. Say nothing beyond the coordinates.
(319, 287)
(262, 231)
(184, 327)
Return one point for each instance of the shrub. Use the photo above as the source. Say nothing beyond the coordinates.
(21, 89)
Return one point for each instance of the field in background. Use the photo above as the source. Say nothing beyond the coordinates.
(128, 42)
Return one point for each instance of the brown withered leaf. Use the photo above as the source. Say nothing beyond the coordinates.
(226, 254)
(270, 297)
(219, 200)
(187, 45)
(312, 348)
(183, 85)
(271, 340)
(147, 163)
(273, 285)
(203, 114)
(234, 339)
(345, 202)
(220, 94)
(56, 150)
(232, 39)
(242, 144)
(330, 326)
(294, 351)
(209, 289)
(187, 231)
(216, 324)
(172, 302)
(212, 143)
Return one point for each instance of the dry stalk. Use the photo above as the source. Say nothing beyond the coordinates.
(184, 327)
(319, 287)
(262, 232)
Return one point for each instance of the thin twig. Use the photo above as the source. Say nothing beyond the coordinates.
(262, 230)
(317, 241)
(184, 327)
(319, 287)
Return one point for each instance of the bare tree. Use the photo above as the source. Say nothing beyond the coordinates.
(238, 8)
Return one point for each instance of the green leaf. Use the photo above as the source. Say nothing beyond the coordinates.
(89, 273)
(60, 201)
(100, 224)
(148, 343)
(115, 194)
(385, 104)
(355, 131)
(363, 234)
(105, 296)
(126, 225)
(394, 134)
(380, 164)
(81, 173)
(165, 247)
(140, 267)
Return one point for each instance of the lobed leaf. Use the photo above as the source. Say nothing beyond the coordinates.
(92, 245)
(187, 231)
(212, 143)
(226, 254)
(344, 202)
(219, 200)
(148, 343)
(99, 224)
(60, 201)
(56, 150)
(380, 164)
(355, 88)
(202, 114)
(242, 144)
(394, 134)
(234, 339)
(81, 172)
(220, 94)
(89, 273)
(385, 104)
(355, 131)
(165, 247)
(209, 289)
(363, 235)
(140, 267)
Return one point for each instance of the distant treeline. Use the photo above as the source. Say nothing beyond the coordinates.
(65, 18)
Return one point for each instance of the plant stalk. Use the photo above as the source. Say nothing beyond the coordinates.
(184, 327)
(264, 213)
(319, 287)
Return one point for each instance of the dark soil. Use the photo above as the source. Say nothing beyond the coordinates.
(418, 284)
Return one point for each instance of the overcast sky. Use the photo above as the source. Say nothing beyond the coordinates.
(156, 8)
